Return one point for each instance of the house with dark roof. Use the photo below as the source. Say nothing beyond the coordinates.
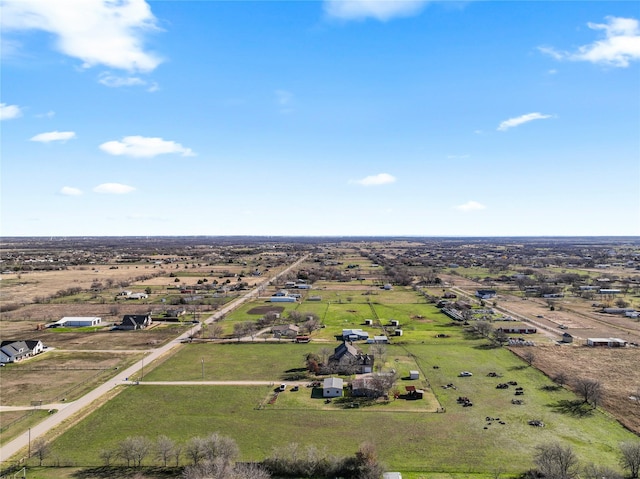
(13, 351)
(486, 293)
(132, 322)
(348, 359)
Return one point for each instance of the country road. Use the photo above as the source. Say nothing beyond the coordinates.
(66, 410)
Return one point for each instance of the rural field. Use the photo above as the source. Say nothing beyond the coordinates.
(226, 382)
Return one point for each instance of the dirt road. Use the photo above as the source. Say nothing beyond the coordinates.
(18, 447)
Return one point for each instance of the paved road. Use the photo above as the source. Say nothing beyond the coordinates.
(21, 443)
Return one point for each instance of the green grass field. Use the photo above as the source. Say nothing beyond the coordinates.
(457, 443)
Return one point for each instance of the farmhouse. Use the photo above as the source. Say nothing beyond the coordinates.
(137, 296)
(13, 351)
(354, 334)
(132, 322)
(485, 293)
(332, 387)
(285, 331)
(348, 359)
(606, 342)
(378, 340)
(76, 322)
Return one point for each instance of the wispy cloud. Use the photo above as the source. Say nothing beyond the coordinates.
(113, 189)
(620, 45)
(8, 112)
(144, 147)
(50, 114)
(375, 180)
(471, 206)
(98, 32)
(116, 81)
(519, 120)
(53, 136)
(70, 191)
(284, 99)
(382, 10)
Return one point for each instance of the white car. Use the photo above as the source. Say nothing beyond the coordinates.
(282, 387)
(465, 374)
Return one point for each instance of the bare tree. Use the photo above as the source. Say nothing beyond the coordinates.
(561, 378)
(555, 461)
(40, 449)
(367, 463)
(216, 330)
(499, 336)
(324, 354)
(589, 389)
(529, 357)
(135, 449)
(630, 458)
(484, 328)
(593, 471)
(220, 448)
(164, 449)
(379, 352)
(195, 449)
(107, 455)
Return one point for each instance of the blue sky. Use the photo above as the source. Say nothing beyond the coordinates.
(320, 118)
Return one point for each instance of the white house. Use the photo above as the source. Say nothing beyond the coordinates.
(76, 322)
(13, 351)
(282, 299)
(332, 387)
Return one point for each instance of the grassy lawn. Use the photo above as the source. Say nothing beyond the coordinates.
(408, 441)
(15, 423)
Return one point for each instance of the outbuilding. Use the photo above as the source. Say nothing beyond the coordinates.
(332, 387)
(414, 374)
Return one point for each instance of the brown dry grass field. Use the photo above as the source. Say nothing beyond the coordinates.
(616, 369)
(55, 375)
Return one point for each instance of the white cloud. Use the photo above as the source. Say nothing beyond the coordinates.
(379, 9)
(114, 81)
(114, 188)
(375, 180)
(70, 191)
(284, 99)
(620, 45)
(49, 114)
(8, 112)
(144, 147)
(98, 32)
(471, 206)
(53, 136)
(511, 122)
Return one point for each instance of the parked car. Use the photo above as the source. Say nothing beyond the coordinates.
(282, 387)
(465, 374)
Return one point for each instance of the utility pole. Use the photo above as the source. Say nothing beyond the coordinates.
(202, 360)
(29, 454)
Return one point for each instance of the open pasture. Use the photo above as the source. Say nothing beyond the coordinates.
(54, 375)
(455, 441)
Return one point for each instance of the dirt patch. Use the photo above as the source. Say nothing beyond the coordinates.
(262, 310)
(615, 368)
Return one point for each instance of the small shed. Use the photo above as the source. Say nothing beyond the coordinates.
(397, 332)
(414, 374)
(332, 387)
(368, 322)
(395, 322)
(567, 338)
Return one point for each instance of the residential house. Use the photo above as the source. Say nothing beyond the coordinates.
(354, 335)
(517, 329)
(486, 293)
(132, 322)
(348, 359)
(332, 387)
(13, 351)
(285, 331)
